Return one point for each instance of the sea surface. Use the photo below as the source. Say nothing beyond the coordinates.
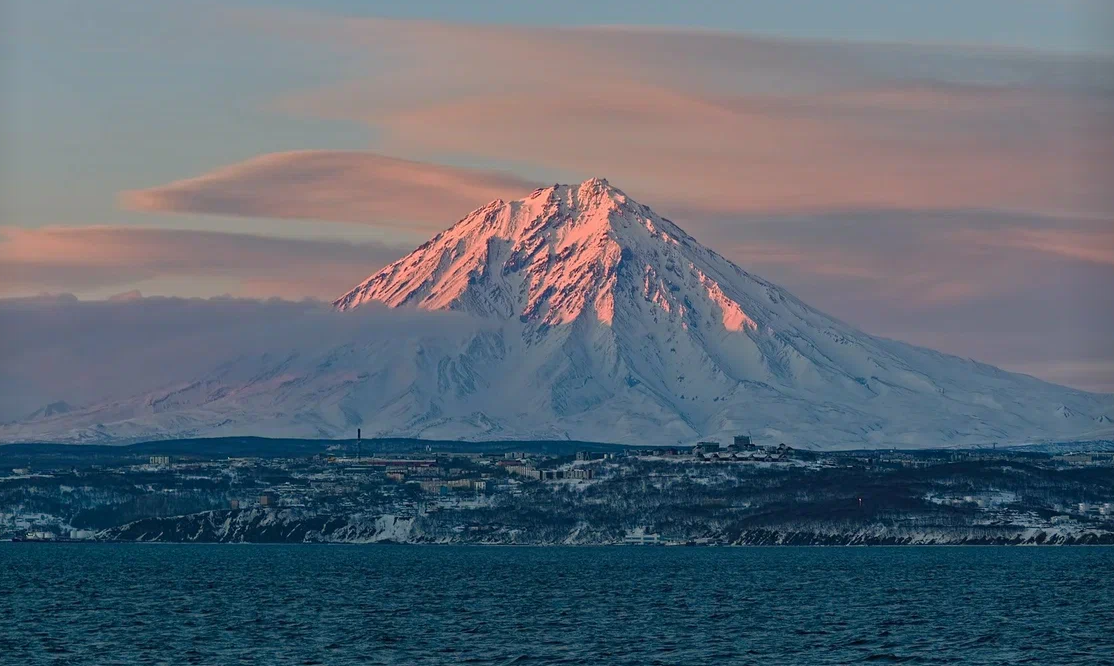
(295, 604)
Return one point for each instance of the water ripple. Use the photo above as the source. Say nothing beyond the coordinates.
(172, 604)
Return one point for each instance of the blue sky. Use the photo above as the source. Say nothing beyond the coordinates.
(932, 171)
(125, 94)
(1065, 25)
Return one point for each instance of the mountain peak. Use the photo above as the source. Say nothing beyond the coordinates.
(610, 318)
(584, 190)
(605, 322)
(571, 201)
(550, 256)
(597, 187)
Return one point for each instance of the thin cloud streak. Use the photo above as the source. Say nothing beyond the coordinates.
(967, 176)
(1094, 246)
(731, 122)
(89, 259)
(745, 154)
(1019, 291)
(347, 186)
(716, 123)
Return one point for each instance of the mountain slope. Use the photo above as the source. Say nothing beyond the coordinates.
(619, 306)
(583, 314)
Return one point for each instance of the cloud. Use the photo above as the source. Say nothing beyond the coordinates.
(689, 121)
(130, 295)
(730, 123)
(1020, 291)
(1093, 246)
(346, 186)
(90, 352)
(747, 154)
(949, 196)
(91, 259)
(916, 259)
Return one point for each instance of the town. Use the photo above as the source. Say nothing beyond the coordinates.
(547, 493)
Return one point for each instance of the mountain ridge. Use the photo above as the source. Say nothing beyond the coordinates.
(571, 244)
(602, 321)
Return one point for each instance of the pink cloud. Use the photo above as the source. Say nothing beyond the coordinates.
(746, 154)
(91, 259)
(687, 120)
(733, 123)
(350, 186)
(1096, 246)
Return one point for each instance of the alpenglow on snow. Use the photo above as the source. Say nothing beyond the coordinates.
(622, 327)
(582, 314)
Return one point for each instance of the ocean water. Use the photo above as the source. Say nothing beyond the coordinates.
(225, 604)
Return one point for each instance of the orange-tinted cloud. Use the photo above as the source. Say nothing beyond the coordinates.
(93, 259)
(1024, 292)
(1095, 246)
(348, 186)
(1023, 151)
(685, 120)
(922, 147)
(913, 259)
(726, 123)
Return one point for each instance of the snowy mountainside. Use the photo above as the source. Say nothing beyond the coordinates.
(627, 320)
(583, 314)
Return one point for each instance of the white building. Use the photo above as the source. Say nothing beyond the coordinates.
(640, 537)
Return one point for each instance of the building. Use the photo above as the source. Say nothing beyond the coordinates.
(431, 486)
(742, 442)
(1076, 459)
(40, 535)
(269, 498)
(159, 461)
(438, 486)
(703, 448)
(524, 471)
(640, 537)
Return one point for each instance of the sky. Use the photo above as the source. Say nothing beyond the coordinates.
(937, 172)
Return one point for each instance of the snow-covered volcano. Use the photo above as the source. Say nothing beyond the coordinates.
(588, 316)
(623, 327)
